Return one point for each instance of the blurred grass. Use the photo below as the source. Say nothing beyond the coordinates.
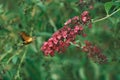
(41, 18)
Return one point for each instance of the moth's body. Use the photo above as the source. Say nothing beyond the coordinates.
(26, 38)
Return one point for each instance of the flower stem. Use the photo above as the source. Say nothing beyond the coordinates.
(107, 16)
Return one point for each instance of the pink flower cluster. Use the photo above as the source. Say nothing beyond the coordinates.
(94, 52)
(85, 17)
(61, 39)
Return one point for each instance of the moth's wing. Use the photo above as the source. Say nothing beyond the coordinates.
(24, 36)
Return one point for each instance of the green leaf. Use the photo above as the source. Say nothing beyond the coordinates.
(1, 8)
(42, 6)
(108, 6)
(14, 60)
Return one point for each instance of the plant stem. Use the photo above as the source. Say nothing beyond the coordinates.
(19, 66)
(107, 16)
(17, 53)
(4, 55)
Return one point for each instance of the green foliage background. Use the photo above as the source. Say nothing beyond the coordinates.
(41, 18)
